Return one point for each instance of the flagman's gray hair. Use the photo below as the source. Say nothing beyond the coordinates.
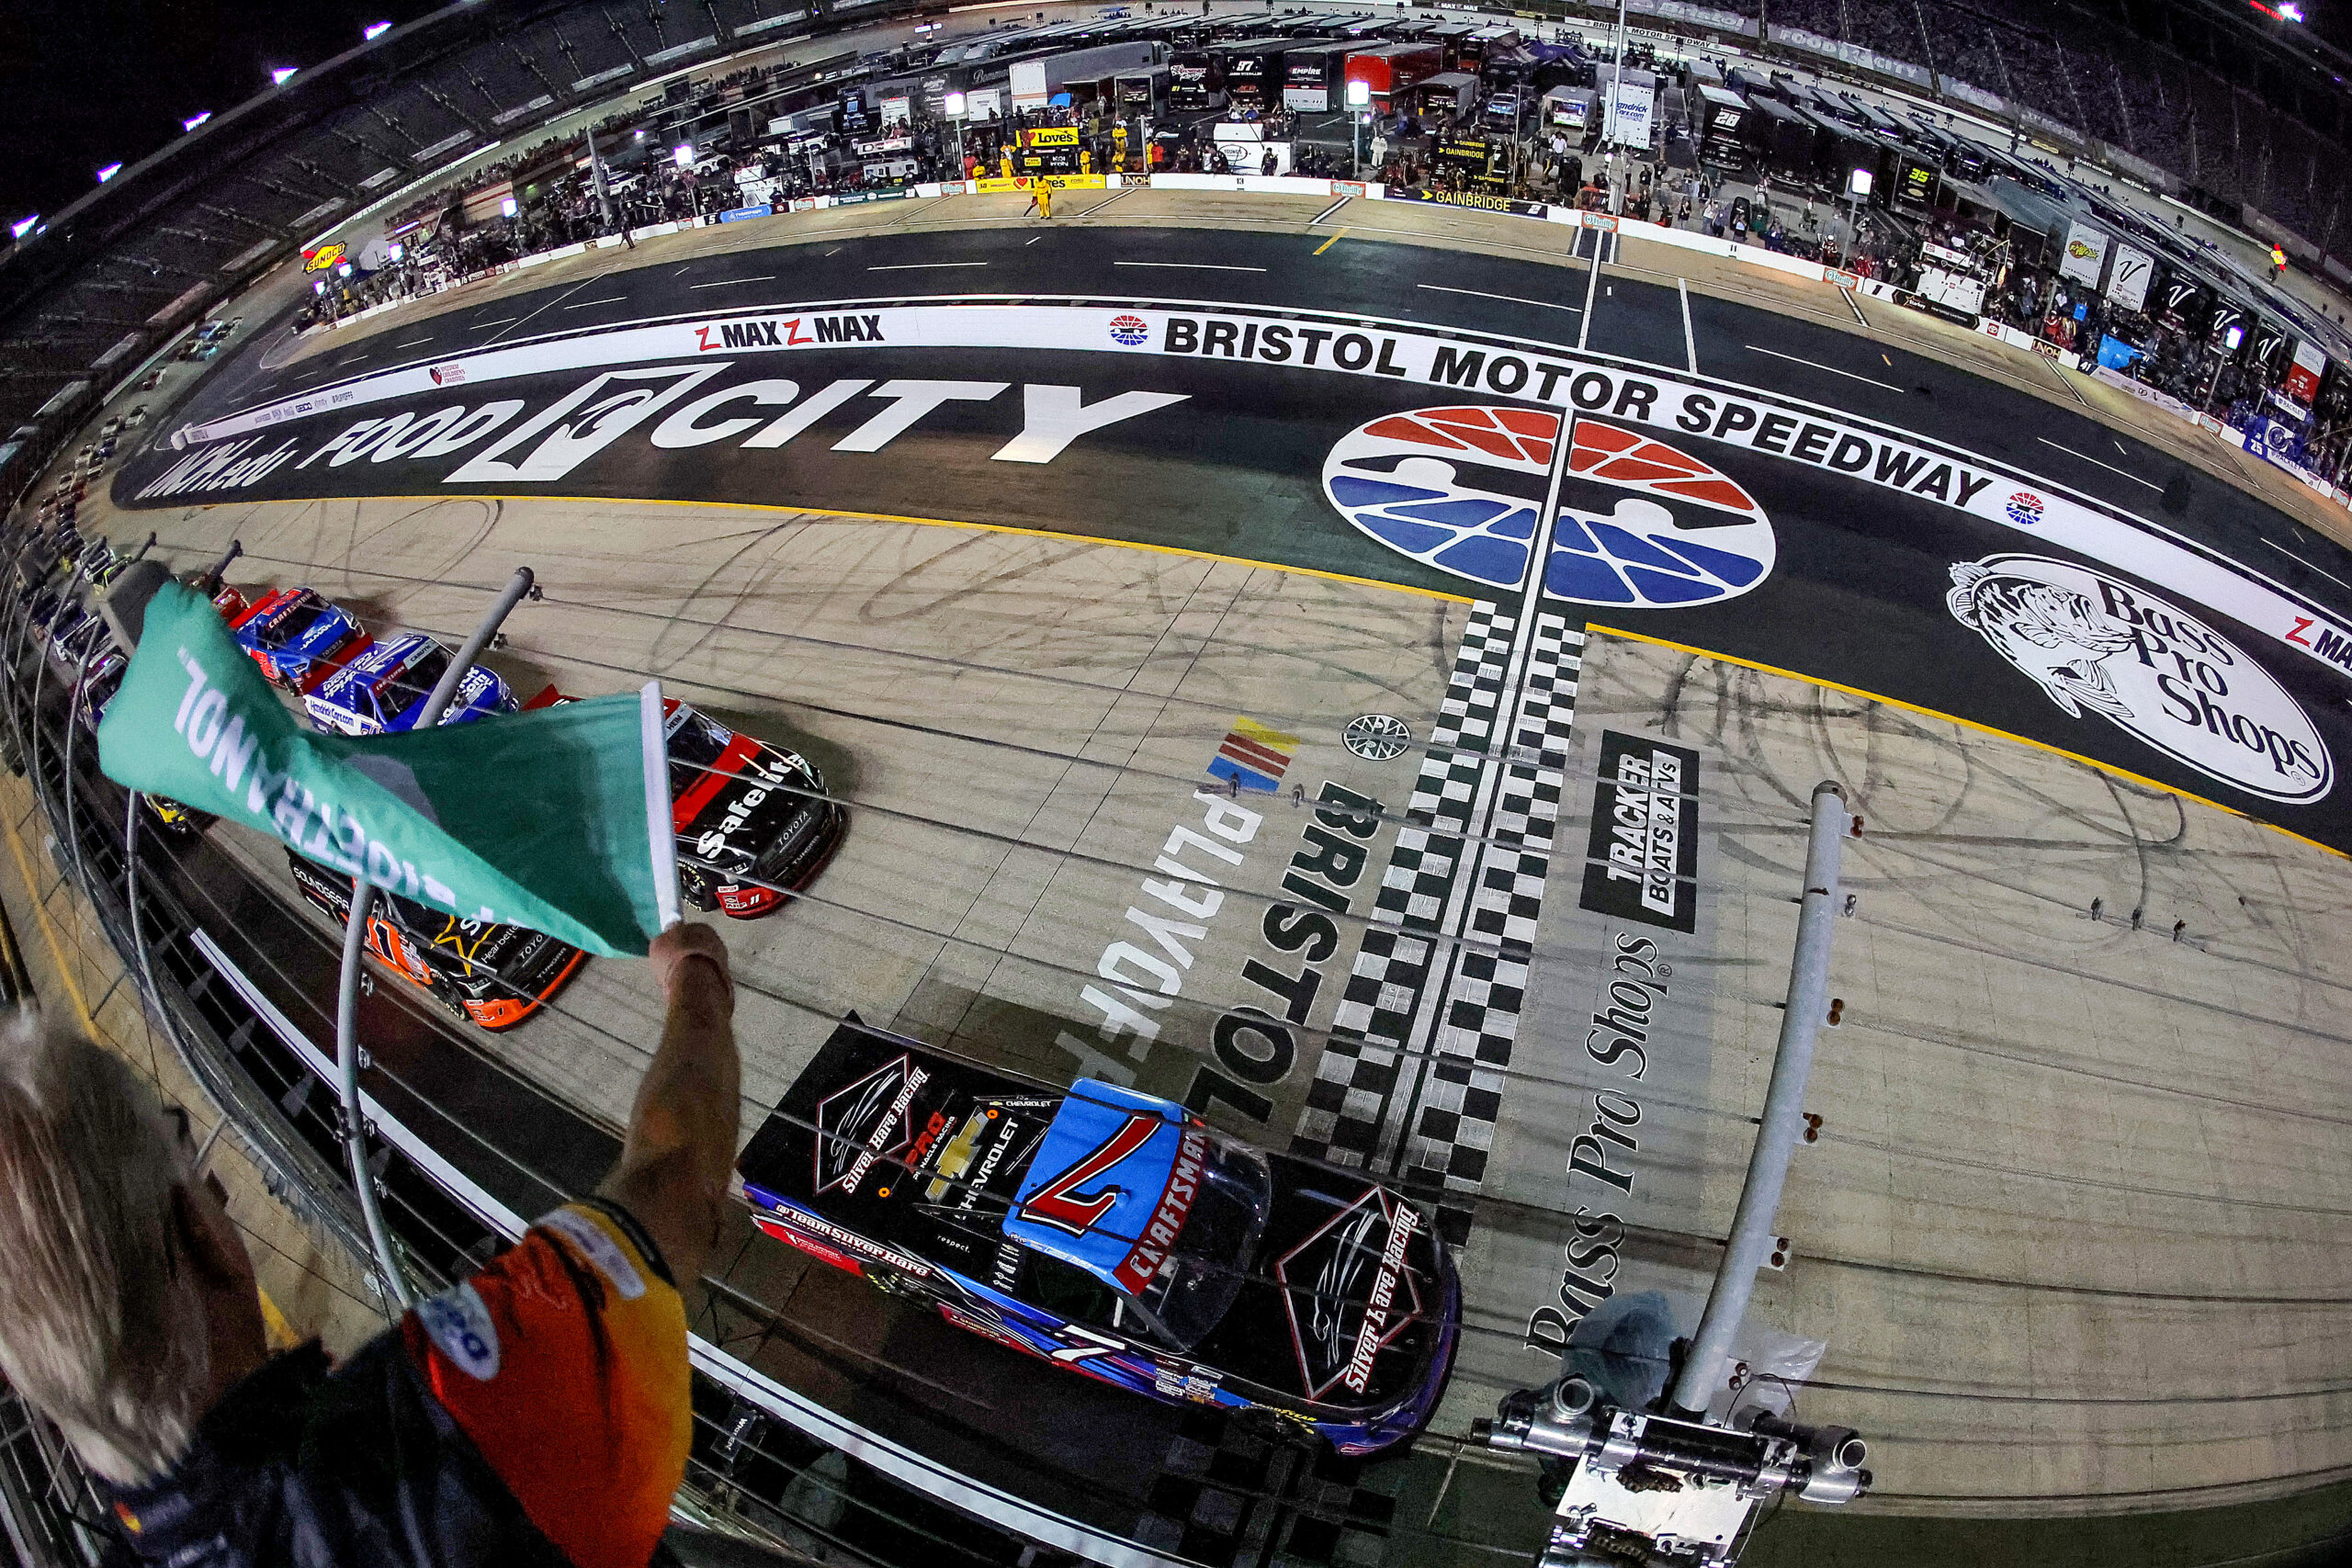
(102, 1322)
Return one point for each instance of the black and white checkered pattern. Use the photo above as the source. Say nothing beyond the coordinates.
(1228, 1495)
(1417, 1097)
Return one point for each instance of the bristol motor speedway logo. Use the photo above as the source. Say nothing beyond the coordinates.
(2092, 642)
(1641, 523)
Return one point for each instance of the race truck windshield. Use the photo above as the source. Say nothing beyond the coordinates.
(694, 750)
(420, 677)
(288, 632)
(1205, 1267)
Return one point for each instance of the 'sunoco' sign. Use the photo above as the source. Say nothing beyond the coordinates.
(2090, 641)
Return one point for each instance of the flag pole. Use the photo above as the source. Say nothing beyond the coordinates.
(363, 901)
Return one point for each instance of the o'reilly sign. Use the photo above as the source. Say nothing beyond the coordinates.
(1644, 855)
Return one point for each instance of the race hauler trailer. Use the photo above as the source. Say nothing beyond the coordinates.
(1474, 49)
(1570, 110)
(1035, 82)
(1251, 70)
(1448, 92)
(1448, 36)
(1143, 92)
(1392, 70)
(1194, 83)
(1719, 117)
(1312, 77)
(1784, 140)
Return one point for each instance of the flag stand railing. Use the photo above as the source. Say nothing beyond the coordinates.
(354, 941)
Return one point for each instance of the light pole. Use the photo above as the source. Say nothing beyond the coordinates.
(596, 173)
(1359, 102)
(954, 103)
(1858, 189)
(1616, 130)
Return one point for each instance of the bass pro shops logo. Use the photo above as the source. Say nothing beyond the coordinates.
(1641, 523)
(2092, 642)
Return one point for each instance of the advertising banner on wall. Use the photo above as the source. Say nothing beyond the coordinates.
(2127, 285)
(1630, 113)
(2303, 377)
(2085, 257)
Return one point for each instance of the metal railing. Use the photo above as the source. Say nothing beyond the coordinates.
(755, 1490)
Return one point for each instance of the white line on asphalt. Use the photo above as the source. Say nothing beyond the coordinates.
(609, 299)
(1592, 283)
(498, 322)
(837, 250)
(730, 282)
(1818, 366)
(921, 267)
(1194, 267)
(415, 341)
(353, 359)
(1328, 210)
(1090, 211)
(1031, 241)
(2096, 463)
(1690, 344)
(2315, 566)
(1506, 299)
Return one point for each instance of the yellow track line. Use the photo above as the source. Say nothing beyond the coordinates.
(1965, 724)
(878, 518)
(48, 930)
(1329, 242)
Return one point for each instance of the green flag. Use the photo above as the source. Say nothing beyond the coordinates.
(558, 819)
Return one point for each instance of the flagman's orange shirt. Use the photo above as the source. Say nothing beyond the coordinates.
(565, 1362)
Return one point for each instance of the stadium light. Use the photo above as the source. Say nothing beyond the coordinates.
(23, 226)
(343, 270)
(1359, 94)
(2293, 13)
(684, 155)
(396, 250)
(108, 172)
(2235, 336)
(954, 106)
(1859, 185)
(375, 29)
(320, 287)
(280, 74)
(506, 208)
(199, 120)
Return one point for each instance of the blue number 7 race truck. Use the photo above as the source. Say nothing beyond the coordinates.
(1114, 1233)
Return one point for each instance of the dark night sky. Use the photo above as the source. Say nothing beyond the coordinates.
(86, 83)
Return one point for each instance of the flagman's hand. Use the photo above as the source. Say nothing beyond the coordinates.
(674, 1170)
(674, 947)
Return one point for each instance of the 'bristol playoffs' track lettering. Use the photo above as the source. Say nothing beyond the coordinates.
(1679, 408)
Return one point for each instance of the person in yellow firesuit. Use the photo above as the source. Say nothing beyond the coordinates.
(1041, 198)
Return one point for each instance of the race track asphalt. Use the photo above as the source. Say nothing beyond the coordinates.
(1231, 456)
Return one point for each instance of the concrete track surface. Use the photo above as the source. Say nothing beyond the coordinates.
(2073, 1230)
